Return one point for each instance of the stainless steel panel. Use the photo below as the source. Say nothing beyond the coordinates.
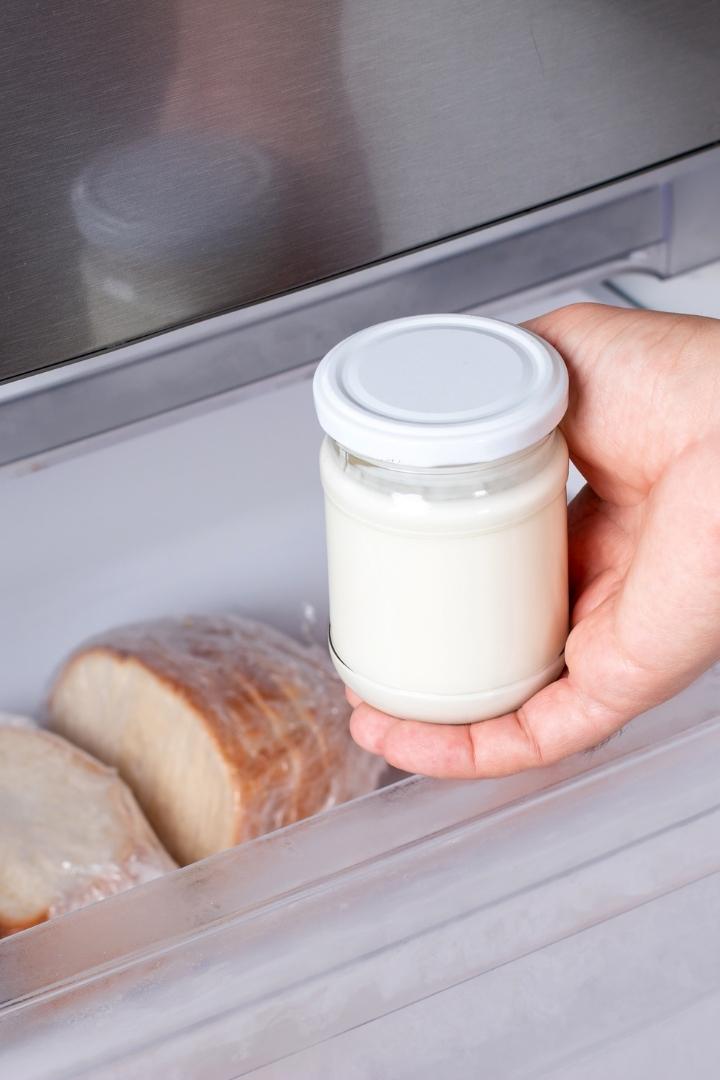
(221, 355)
(167, 159)
(694, 209)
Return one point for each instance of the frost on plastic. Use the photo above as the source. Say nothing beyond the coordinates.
(70, 830)
(248, 730)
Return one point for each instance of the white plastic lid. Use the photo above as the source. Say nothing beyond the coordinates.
(440, 390)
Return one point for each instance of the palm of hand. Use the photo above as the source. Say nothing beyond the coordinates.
(644, 541)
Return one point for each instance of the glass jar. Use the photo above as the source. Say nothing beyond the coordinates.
(448, 578)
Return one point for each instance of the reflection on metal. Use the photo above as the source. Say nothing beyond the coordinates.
(220, 355)
(625, 225)
(165, 160)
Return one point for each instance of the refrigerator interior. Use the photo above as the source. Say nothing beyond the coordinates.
(419, 928)
(219, 512)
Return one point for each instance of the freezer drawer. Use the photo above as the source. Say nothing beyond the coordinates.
(531, 927)
(561, 923)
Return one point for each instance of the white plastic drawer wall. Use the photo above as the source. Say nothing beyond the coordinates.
(560, 923)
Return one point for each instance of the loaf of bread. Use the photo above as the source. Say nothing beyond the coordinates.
(70, 830)
(224, 728)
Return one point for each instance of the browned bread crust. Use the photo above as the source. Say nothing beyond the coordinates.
(273, 712)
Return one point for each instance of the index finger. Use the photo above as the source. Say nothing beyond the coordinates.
(641, 391)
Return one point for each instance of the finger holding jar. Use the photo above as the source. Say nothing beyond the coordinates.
(643, 424)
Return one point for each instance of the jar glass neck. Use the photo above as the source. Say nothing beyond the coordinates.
(451, 479)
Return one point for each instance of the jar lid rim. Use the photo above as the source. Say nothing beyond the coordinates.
(440, 390)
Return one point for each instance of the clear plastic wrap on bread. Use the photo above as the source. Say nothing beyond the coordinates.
(224, 728)
(70, 829)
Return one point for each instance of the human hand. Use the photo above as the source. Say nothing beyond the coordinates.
(643, 426)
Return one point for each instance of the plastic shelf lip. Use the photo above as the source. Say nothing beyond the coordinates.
(477, 864)
(375, 968)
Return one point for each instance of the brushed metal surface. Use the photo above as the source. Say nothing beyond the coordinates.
(164, 160)
(218, 356)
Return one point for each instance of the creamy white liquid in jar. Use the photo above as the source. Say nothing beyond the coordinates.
(444, 480)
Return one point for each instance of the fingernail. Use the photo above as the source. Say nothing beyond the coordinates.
(369, 728)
